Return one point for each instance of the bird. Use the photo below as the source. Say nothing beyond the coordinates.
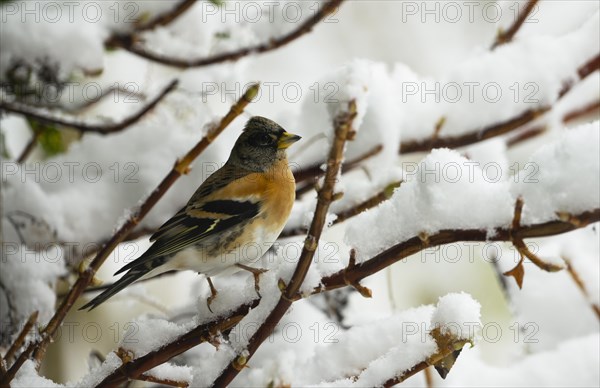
(231, 220)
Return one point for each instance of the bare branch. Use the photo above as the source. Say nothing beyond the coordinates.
(583, 111)
(508, 35)
(45, 117)
(131, 44)
(29, 148)
(12, 372)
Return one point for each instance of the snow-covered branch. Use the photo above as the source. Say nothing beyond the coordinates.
(497, 129)
(59, 118)
(133, 45)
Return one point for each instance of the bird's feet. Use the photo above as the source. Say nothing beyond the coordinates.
(256, 272)
(213, 294)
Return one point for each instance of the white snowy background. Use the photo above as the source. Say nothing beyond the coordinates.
(389, 56)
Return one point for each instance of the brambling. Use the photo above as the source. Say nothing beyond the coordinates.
(231, 220)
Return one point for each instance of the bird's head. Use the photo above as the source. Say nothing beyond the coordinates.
(262, 143)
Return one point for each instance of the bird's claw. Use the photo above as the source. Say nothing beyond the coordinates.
(256, 272)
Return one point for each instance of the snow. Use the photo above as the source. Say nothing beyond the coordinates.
(28, 279)
(456, 315)
(148, 334)
(563, 176)
(573, 363)
(28, 377)
(97, 374)
(446, 191)
(168, 371)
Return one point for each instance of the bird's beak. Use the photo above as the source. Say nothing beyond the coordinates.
(286, 140)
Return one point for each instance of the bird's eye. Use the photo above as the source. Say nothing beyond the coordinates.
(262, 139)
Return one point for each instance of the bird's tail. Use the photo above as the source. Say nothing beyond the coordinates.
(120, 284)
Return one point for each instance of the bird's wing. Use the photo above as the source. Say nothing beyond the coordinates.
(218, 209)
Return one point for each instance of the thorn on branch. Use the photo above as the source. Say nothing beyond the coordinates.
(518, 272)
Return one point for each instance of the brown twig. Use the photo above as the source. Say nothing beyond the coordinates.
(417, 243)
(473, 136)
(579, 283)
(12, 372)
(344, 215)
(16, 345)
(375, 200)
(29, 147)
(526, 135)
(508, 35)
(130, 44)
(45, 117)
(168, 17)
(343, 131)
(314, 172)
(539, 130)
(181, 167)
(522, 248)
(498, 129)
(582, 112)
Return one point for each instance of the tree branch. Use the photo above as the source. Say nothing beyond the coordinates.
(206, 332)
(495, 129)
(314, 172)
(417, 244)
(130, 44)
(181, 167)
(350, 212)
(16, 345)
(45, 117)
(508, 35)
